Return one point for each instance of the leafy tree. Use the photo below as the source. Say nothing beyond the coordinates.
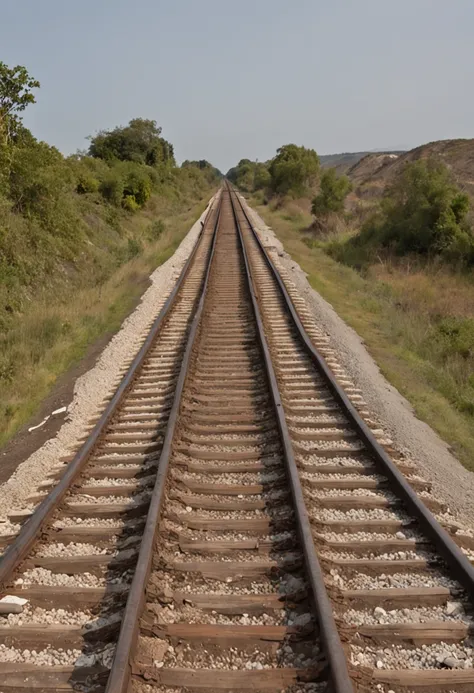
(211, 171)
(332, 194)
(139, 141)
(262, 177)
(294, 170)
(250, 175)
(16, 93)
(422, 212)
(38, 180)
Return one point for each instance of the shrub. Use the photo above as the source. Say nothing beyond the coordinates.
(130, 204)
(294, 170)
(333, 192)
(423, 212)
(87, 184)
(112, 188)
(137, 184)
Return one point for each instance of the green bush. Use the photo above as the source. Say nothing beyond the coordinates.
(294, 170)
(137, 184)
(130, 204)
(333, 192)
(422, 212)
(250, 176)
(112, 188)
(87, 184)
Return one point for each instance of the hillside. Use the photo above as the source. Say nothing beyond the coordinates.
(341, 162)
(371, 174)
(346, 161)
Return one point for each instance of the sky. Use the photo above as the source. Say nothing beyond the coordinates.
(232, 79)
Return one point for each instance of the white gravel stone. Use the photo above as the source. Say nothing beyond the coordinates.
(73, 549)
(435, 656)
(47, 657)
(397, 580)
(41, 576)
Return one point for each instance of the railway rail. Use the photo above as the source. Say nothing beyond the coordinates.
(233, 521)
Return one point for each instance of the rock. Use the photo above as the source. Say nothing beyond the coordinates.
(379, 664)
(454, 608)
(378, 611)
(400, 535)
(294, 584)
(302, 620)
(453, 663)
(85, 661)
(167, 595)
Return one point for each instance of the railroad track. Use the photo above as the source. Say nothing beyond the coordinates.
(232, 522)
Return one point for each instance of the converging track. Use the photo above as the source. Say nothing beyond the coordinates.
(232, 523)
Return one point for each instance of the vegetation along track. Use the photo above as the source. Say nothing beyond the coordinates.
(247, 529)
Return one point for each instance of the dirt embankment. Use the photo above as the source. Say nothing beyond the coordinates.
(371, 174)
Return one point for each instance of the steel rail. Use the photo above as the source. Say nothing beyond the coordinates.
(458, 562)
(22, 543)
(120, 672)
(332, 646)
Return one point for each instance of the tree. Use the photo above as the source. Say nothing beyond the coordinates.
(262, 178)
(332, 194)
(16, 87)
(139, 141)
(294, 170)
(203, 165)
(250, 175)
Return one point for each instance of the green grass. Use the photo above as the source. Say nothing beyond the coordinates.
(417, 323)
(58, 326)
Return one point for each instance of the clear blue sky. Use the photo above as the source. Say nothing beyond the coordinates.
(228, 79)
